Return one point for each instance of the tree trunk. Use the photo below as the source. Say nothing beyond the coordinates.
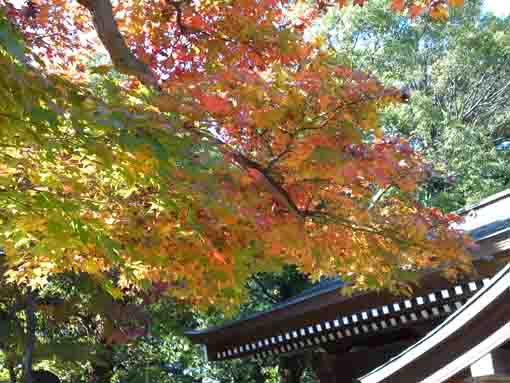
(12, 372)
(103, 373)
(43, 376)
(28, 351)
(258, 376)
(326, 368)
(291, 369)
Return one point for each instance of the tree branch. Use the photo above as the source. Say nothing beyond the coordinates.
(108, 31)
(255, 170)
(378, 196)
(278, 193)
(126, 62)
(178, 18)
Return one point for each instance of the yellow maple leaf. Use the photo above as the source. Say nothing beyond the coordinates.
(455, 3)
(439, 12)
(166, 103)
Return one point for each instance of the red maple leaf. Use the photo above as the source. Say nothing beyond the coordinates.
(214, 103)
(398, 5)
(416, 10)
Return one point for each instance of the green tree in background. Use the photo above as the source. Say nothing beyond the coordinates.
(457, 75)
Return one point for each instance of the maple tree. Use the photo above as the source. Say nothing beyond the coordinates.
(217, 144)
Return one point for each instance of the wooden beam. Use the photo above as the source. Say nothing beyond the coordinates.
(481, 326)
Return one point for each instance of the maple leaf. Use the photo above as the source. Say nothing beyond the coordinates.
(349, 172)
(67, 188)
(214, 103)
(218, 257)
(416, 10)
(166, 103)
(195, 21)
(255, 174)
(398, 5)
(455, 3)
(439, 12)
(160, 196)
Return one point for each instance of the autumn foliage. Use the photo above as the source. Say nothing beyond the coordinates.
(226, 145)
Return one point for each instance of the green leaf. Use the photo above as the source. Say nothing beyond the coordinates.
(70, 352)
(39, 115)
(101, 69)
(9, 39)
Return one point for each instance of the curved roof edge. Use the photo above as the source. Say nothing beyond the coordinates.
(484, 202)
(312, 292)
(443, 353)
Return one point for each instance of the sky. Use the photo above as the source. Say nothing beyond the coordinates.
(498, 7)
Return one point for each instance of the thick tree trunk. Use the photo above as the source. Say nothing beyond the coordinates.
(291, 369)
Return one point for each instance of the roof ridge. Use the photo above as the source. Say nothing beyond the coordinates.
(484, 202)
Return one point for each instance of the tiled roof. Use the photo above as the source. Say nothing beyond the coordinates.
(444, 352)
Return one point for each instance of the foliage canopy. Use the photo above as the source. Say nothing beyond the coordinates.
(218, 143)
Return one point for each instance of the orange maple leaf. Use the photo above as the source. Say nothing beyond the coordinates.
(218, 257)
